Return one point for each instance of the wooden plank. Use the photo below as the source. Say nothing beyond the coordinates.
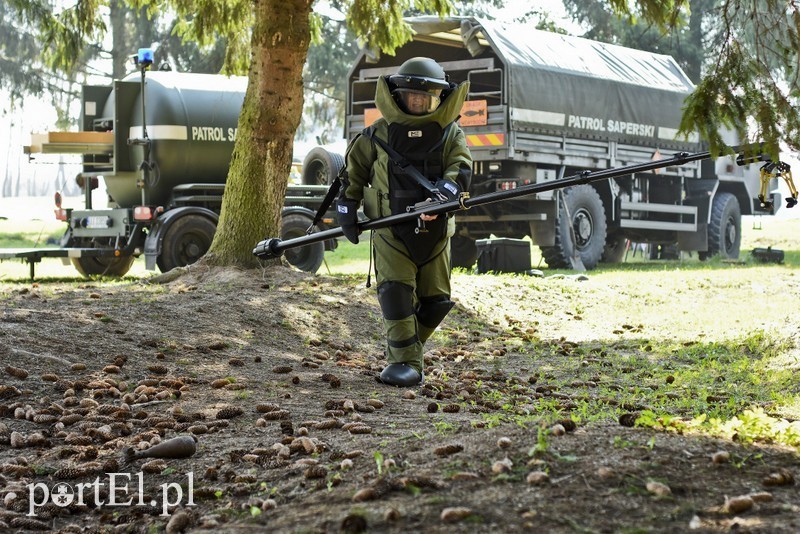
(80, 137)
(71, 143)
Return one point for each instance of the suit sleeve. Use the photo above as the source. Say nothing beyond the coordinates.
(458, 160)
(359, 163)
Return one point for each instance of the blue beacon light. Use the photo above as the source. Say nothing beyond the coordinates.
(145, 56)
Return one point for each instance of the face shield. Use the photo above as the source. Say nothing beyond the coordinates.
(418, 102)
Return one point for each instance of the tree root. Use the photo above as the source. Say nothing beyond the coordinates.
(5, 349)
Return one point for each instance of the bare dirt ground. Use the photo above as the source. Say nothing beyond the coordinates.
(274, 373)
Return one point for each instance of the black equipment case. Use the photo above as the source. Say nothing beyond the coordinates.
(503, 255)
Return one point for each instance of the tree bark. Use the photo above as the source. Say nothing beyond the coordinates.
(262, 156)
(694, 66)
(119, 55)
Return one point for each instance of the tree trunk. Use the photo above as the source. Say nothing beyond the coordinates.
(119, 54)
(699, 10)
(262, 156)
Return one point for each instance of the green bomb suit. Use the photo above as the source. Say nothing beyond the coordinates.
(412, 269)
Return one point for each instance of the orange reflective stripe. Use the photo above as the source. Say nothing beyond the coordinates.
(486, 139)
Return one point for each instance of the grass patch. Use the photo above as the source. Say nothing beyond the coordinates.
(30, 233)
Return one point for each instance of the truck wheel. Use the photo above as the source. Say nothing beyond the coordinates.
(92, 266)
(320, 166)
(725, 228)
(588, 220)
(306, 258)
(463, 251)
(615, 249)
(185, 242)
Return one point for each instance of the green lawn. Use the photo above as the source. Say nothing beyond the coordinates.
(352, 259)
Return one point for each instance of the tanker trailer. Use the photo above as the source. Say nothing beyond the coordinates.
(164, 159)
(543, 105)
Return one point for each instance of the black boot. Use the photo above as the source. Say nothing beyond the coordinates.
(401, 375)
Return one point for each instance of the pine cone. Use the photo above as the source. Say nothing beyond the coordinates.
(158, 369)
(327, 423)
(77, 439)
(267, 407)
(154, 421)
(107, 409)
(70, 473)
(44, 419)
(447, 450)
(230, 412)
(277, 415)
(198, 429)
(17, 471)
(6, 392)
(89, 454)
(316, 471)
(154, 466)
(16, 372)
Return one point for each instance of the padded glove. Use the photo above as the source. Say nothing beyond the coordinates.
(448, 188)
(347, 214)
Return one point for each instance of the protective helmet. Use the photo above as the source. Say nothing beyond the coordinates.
(417, 87)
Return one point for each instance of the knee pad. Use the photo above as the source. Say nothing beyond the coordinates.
(396, 300)
(433, 310)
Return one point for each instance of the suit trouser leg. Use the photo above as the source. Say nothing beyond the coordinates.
(433, 293)
(403, 289)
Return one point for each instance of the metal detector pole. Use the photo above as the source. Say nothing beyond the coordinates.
(274, 247)
(143, 60)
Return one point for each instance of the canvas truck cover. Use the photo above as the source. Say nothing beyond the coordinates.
(560, 84)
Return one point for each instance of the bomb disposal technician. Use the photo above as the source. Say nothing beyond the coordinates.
(419, 107)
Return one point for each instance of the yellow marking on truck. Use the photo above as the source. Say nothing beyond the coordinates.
(479, 140)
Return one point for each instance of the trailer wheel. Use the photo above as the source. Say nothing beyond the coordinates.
(306, 258)
(186, 241)
(463, 251)
(103, 266)
(588, 220)
(321, 166)
(615, 249)
(725, 228)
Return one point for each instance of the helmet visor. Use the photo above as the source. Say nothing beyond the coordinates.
(416, 102)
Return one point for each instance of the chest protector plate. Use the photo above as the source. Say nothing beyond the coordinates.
(421, 146)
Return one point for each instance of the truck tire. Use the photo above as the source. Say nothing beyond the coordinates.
(306, 258)
(463, 251)
(615, 249)
(725, 228)
(186, 241)
(321, 166)
(588, 219)
(103, 266)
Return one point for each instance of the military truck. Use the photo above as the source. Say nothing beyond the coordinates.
(168, 213)
(544, 105)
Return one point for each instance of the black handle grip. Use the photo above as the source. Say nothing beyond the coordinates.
(266, 249)
(747, 159)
